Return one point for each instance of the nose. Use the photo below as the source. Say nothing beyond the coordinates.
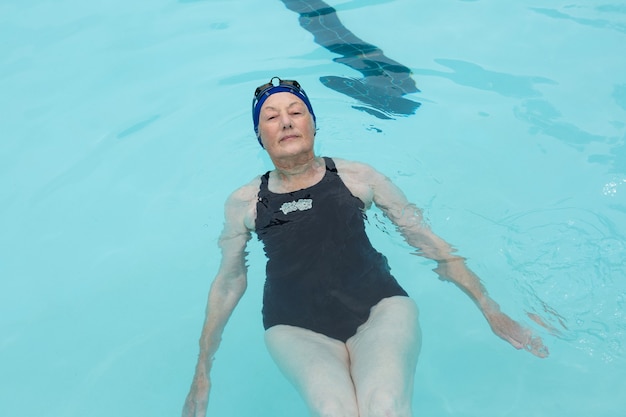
(285, 120)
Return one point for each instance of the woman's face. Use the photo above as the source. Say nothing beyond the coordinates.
(285, 125)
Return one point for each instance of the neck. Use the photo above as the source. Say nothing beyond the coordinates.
(294, 166)
(298, 172)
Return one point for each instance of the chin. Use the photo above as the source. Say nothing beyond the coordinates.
(293, 148)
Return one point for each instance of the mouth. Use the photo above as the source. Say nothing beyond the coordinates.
(288, 137)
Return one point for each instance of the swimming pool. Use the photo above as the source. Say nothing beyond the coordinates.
(126, 125)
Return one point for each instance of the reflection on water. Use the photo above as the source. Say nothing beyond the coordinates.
(611, 188)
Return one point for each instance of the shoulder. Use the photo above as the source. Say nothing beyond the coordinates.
(245, 193)
(365, 182)
(358, 171)
(360, 178)
(240, 205)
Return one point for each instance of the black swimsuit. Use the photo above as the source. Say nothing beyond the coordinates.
(322, 272)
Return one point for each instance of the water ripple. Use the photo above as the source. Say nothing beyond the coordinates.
(569, 264)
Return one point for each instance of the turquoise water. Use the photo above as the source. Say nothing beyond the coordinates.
(125, 125)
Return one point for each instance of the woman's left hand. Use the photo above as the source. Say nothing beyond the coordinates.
(514, 333)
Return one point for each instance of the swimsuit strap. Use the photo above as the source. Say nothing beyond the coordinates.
(264, 179)
(330, 164)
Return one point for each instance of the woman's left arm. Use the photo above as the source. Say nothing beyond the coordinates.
(450, 266)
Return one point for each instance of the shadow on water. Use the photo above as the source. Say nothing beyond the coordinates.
(473, 75)
(384, 82)
(542, 116)
(597, 23)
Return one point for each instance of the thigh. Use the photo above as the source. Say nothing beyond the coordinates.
(383, 356)
(318, 366)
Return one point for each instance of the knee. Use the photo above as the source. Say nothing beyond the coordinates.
(333, 407)
(384, 403)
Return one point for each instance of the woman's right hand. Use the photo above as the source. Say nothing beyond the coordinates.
(198, 398)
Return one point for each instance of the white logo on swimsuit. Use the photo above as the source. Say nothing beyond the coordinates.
(302, 204)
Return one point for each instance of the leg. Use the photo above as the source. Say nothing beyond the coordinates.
(383, 356)
(318, 366)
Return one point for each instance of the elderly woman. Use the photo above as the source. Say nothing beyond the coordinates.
(338, 324)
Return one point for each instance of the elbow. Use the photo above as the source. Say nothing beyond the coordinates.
(240, 285)
(230, 286)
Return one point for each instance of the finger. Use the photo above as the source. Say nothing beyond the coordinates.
(537, 348)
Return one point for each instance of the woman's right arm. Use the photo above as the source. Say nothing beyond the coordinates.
(226, 291)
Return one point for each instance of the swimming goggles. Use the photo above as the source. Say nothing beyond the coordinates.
(265, 88)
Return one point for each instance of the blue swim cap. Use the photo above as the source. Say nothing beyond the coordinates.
(263, 92)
